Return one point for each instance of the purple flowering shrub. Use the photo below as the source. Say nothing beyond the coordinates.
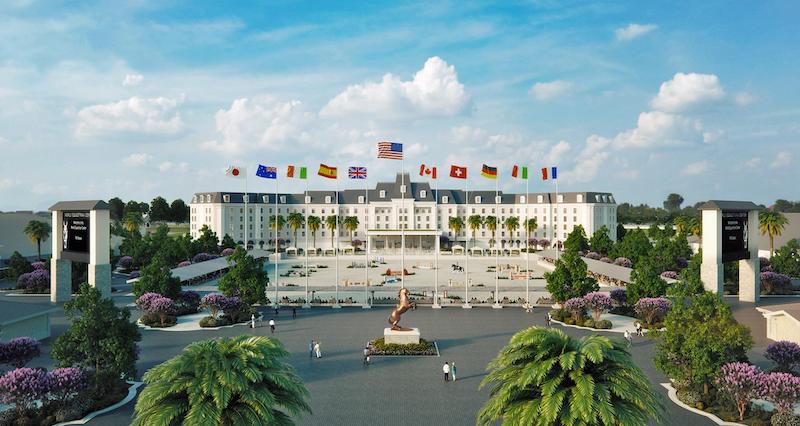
(23, 387)
(593, 255)
(236, 310)
(38, 265)
(227, 252)
(533, 242)
(781, 389)
(163, 307)
(19, 351)
(65, 383)
(144, 301)
(598, 303)
(764, 263)
(37, 281)
(606, 260)
(577, 307)
(775, 283)
(214, 302)
(202, 257)
(619, 296)
(785, 354)
(135, 274)
(125, 262)
(544, 243)
(670, 274)
(623, 261)
(739, 382)
(184, 264)
(652, 310)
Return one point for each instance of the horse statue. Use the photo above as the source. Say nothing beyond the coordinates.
(403, 304)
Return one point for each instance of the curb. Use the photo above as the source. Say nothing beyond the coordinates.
(147, 327)
(673, 396)
(435, 345)
(580, 327)
(131, 394)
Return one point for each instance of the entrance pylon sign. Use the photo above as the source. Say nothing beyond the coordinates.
(730, 233)
(81, 231)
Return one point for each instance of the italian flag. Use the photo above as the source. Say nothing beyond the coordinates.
(519, 172)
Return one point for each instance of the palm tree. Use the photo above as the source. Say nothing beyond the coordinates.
(512, 224)
(456, 224)
(491, 225)
(314, 223)
(681, 224)
(772, 223)
(475, 221)
(226, 381)
(132, 222)
(332, 223)
(276, 223)
(37, 231)
(530, 226)
(295, 221)
(350, 224)
(545, 377)
(695, 227)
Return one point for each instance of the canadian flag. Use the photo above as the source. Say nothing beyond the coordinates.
(427, 171)
(236, 172)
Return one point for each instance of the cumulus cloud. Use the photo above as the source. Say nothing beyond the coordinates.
(783, 159)
(696, 168)
(467, 134)
(545, 91)
(261, 122)
(744, 98)
(633, 31)
(134, 115)
(132, 80)
(137, 159)
(169, 165)
(434, 91)
(753, 163)
(685, 91)
(656, 128)
(556, 152)
(590, 159)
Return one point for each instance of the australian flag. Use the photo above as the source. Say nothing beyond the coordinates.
(357, 172)
(267, 172)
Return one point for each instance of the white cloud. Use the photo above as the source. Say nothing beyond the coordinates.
(550, 90)
(753, 163)
(467, 134)
(783, 159)
(434, 91)
(687, 90)
(590, 159)
(744, 98)
(655, 128)
(556, 152)
(633, 31)
(6, 183)
(165, 166)
(132, 80)
(260, 123)
(134, 115)
(137, 159)
(694, 169)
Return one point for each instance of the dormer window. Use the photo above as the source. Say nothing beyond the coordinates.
(560, 198)
(283, 199)
(580, 198)
(445, 199)
(308, 199)
(611, 198)
(265, 199)
(605, 198)
(226, 198)
(522, 199)
(497, 199)
(327, 199)
(423, 193)
(194, 198)
(539, 198)
(597, 198)
(382, 193)
(477, 199)
(360, 199)
(402, 189)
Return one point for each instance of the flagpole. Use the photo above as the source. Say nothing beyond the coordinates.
(336, 243)
(497, 304)
(276, 304)
(558, 252)
(366, 243)
(436, 304)
(466, 304)
(403, 225)
(246, 213)
(527, 246)
(305, 200)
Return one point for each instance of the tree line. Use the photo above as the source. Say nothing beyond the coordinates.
(158, 209)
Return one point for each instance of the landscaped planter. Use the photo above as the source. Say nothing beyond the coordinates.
(377, 347)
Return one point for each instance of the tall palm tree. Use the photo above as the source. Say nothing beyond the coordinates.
(530, 226)
(456, 224)
(681, 224)
(545, 377)
(332, 223)
(511, 224)
(295, 221)
(37, 231)
(772, 223)
(491, 225)
(132, 222)
(474, 222)
(226, 381)
(276, 223)
(314, 224)
(350, 223)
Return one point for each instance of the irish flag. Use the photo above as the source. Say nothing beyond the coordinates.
(327, 171)
(296, 172)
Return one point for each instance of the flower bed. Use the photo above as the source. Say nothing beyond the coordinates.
(378, 347)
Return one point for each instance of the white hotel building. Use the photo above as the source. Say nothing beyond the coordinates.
(422, 213)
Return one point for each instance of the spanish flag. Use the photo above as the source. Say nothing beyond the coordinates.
(327, 172)
(489, 172)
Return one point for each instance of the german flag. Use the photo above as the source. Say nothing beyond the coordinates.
(327, 172)
(489, 172)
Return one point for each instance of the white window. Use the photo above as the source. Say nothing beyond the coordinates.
(605, 198)
(423, 193)
(445, 199)
(402, 189)
(597, 198)
(522, 199)
(611, 198)
(226, 198)
(539, 198)
(382, 193)
(327, 199)
(283, 199)
(360, 199)
(560, 198)
(477, 199)
(308, 199)
(580, 198)
(497, 199)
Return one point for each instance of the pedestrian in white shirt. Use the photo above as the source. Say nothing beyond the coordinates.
(446, 371)
(272, 325)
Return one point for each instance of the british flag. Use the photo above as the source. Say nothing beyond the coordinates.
(357, 172)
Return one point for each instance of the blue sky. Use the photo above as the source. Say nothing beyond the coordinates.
(157, 98)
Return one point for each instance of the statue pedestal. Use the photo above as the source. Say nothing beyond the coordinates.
(401, 337)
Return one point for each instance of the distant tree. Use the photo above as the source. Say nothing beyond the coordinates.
(227, 242)
(159, 209)
(456, 224)
(786, 259)
(689, 282)
(633, 246)
(530, 226)
(601, 242)
(621, 231)
(156, 277)
(332, 223)
(569, 278)
(17, 265)
(179, 211)
(314, 224)
(296, 221)
(576, 240)
(350, 223)
(645, 281)
(206, 242)
(100, 336)
(37, 231)
(491, 225)
(246, 278)
(117, 208)
(474, 222)
(511, 224)
(772, 224)
(786, 206)
(135, 207)
(673, 202)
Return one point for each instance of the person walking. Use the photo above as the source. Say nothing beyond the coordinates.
(453, 371)
(311, 349)
(446, 371)
(272, 325)
(253, 321)
(294, 313)
(547, 320)
(639, 331)
(366, 355)
(317, 350)
(628, 337)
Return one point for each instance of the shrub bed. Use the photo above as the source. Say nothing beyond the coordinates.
(210, 321)
(152, 319)
(378, 347)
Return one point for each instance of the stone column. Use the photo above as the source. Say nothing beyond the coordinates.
(750, 269)
(60, 269)
(99, 262)
(711, 270)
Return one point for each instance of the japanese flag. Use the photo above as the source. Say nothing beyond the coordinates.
(236, 172)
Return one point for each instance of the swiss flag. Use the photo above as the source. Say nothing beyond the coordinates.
(427, 171)
(458, 172)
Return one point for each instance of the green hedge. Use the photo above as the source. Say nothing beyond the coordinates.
(379, 347)
(211, 322)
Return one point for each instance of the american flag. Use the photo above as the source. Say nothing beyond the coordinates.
(390, 150)
(357, 172)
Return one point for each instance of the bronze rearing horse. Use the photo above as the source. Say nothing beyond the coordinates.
(403, 304)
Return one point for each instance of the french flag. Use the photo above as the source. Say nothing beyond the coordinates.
(553, 173)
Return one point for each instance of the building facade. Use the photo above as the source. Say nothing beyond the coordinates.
(391, 210)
